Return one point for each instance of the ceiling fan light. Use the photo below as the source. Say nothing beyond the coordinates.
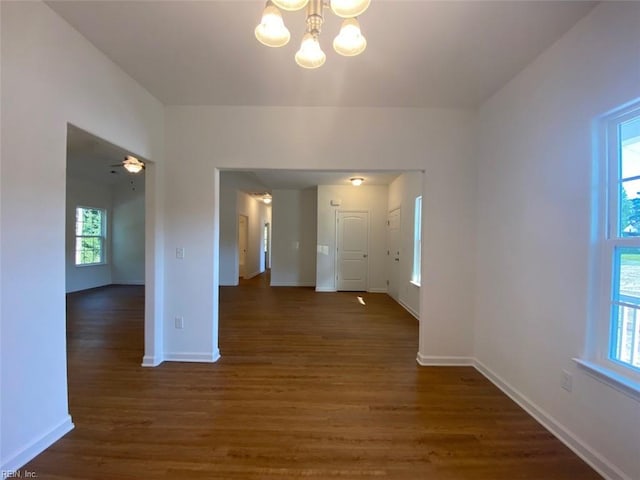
(349, 8)
(132, 164)
(291, 5)
(350, 41)
(271, 31)
(310, 54)
(267, 199)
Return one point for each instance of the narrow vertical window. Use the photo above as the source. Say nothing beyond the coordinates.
(90, 236)
(417, 240)
(624, 240)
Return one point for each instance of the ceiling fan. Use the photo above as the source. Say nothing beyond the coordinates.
(131, 164)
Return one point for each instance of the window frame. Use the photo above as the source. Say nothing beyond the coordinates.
(607, 239)
(416, 271)
(102, 237)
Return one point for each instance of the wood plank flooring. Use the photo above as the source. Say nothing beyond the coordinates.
(310, 386)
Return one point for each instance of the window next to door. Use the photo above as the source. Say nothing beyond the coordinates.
(90, 235)
(417, 241)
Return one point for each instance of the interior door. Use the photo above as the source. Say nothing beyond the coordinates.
(352, 250)
(243, 240)
(393, 253)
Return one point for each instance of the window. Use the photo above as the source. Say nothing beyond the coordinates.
(617, 333)
(90, 236)
(623, 243)
(417, 241)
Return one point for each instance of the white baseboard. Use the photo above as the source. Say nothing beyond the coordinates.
(192, 357)
(37, 446)
(326, 289)
(409, 309)
(293, 284)
(151, 361)
(377, 290)
(436, 361)
(593, 458)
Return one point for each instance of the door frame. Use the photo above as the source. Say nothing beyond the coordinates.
(390, 264)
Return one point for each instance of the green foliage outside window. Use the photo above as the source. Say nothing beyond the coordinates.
(89, 236)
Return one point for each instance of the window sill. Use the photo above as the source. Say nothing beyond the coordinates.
(83, 265)
(412, 282)
(609, 377)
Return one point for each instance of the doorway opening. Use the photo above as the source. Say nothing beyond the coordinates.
(326, 234)
(105, 241)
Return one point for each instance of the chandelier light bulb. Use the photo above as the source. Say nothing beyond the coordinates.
(291, 5)
(271, 31)
(350, 41)
(310, 54)
(349, 8)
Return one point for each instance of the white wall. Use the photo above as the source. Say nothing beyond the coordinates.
(50, 76)
(439, 141)
(127, 233)
(293, 233)
(228, 265)
(402, 194)
(84, 193)
(534, 219)
(364, 198)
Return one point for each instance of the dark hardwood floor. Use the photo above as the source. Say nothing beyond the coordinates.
(312, 386)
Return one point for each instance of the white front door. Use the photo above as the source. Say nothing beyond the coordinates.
(243, 240)
(393, 253)
(352, 250)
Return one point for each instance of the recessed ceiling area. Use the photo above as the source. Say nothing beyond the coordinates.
(420, 53)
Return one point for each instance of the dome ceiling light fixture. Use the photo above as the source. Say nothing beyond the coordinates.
(350, 42)
(131, 164)
(356, 181)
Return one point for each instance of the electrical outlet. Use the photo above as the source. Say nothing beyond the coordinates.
(179, 323)
(567, 381)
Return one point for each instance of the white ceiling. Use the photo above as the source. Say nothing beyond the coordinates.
(420, 53)
(301, 179)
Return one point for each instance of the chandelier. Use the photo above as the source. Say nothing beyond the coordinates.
(350, 42)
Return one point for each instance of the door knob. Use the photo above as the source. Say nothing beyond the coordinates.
(364, 255)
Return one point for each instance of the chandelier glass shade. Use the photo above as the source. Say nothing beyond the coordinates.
(310, 54)
(349, 8)
(350, 42)
(271, 30)
(291, 5)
